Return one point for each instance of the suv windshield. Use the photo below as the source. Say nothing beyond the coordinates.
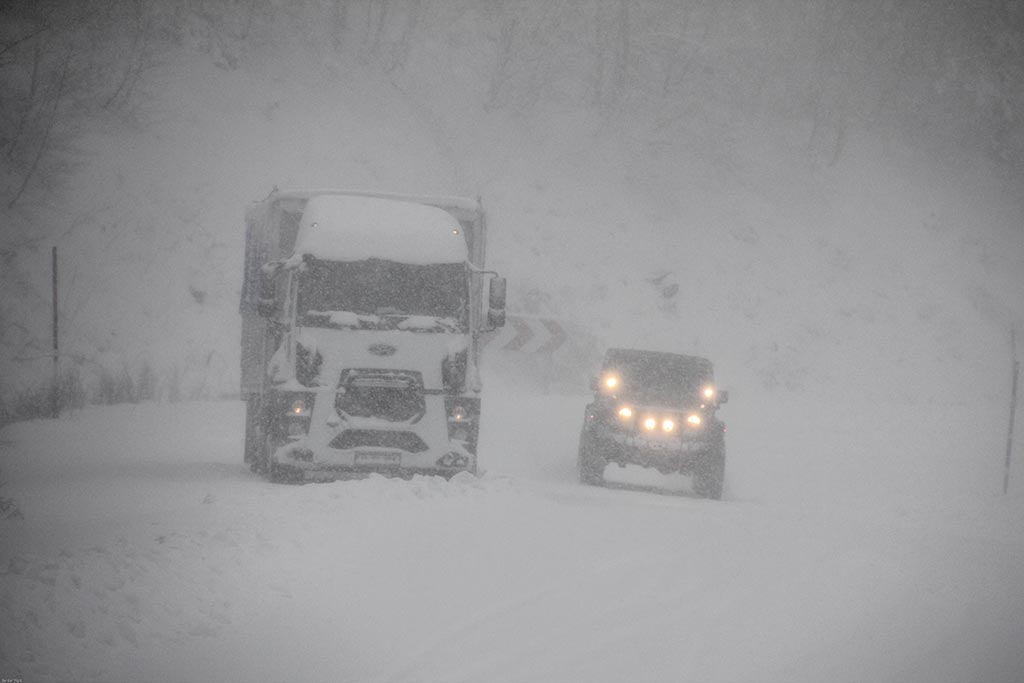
(659, 378)
(377, 293)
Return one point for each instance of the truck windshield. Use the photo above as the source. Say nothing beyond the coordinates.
(659, 378)
(383, 294)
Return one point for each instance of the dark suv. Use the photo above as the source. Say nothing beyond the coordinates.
(656, 410)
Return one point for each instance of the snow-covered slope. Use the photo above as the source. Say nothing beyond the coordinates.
(887, 274)
(148, 552)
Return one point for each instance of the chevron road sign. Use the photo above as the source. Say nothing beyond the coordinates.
(528, 335)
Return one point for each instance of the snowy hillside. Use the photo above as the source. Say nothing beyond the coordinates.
(893, 272)
(791, 276)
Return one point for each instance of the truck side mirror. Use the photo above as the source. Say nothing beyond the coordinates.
(723, 396)
(268, 289)
(496, 303)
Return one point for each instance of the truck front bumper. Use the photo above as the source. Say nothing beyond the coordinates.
(310, 439)
(301, 461)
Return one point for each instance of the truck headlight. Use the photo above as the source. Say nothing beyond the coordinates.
(694, 420)
(625, 412)
(650, 423)
(708, 392)
(668, 425)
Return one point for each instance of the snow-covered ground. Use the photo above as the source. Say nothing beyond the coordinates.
(859, 314)
(148, 552)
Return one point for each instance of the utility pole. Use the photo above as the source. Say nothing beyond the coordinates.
(55, 390)
(1013, 411)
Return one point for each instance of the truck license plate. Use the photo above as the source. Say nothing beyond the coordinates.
(378, 458)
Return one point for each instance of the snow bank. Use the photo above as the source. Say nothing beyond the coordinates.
(148, 552)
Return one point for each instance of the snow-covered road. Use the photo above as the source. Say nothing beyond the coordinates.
(148, 552)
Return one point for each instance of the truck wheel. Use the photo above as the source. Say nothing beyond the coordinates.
(589, 462)
(275, 473)
(253, 432)
(266, 463)
(709, 476)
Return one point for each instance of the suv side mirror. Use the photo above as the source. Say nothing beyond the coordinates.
(496, 303)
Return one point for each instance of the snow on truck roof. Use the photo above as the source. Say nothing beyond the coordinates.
(340, 227)
(463, 208)
(306, 193)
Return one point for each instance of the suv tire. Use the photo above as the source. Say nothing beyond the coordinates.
(590, 463)
(709, 474)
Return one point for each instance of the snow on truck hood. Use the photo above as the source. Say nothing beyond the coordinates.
(360, 349)
(352, 228)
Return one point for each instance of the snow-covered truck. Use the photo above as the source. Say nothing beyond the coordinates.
(361, 322)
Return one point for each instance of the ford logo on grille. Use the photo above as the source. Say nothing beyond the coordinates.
(382, 349)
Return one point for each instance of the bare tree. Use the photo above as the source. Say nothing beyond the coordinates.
(504, 56)
(136, 61)
(44, 139)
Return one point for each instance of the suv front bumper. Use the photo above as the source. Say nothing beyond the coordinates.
(624, 448)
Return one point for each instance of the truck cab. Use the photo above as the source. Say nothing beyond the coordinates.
(361, 321)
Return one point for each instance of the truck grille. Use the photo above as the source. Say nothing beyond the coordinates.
(374, 438)
(392, 395)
